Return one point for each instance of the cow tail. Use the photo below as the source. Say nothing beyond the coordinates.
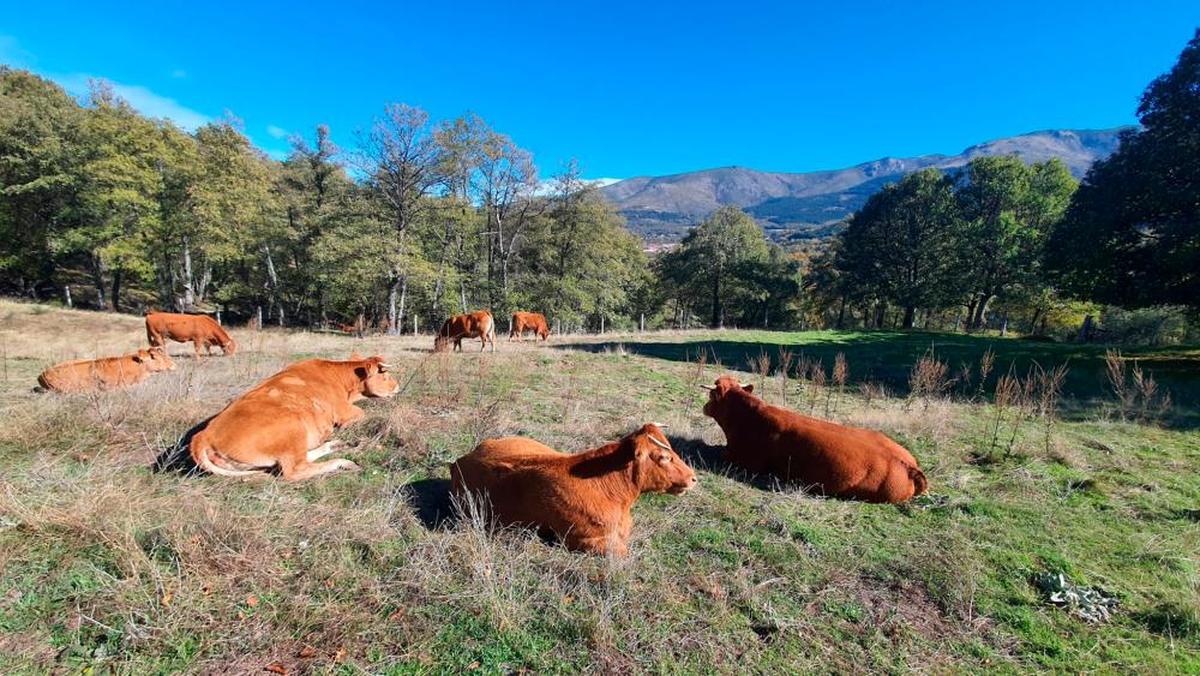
(199, 449)
(920, 485)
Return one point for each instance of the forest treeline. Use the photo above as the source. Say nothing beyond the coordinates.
(103, 207)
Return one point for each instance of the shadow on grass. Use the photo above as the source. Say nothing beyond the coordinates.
(177, 457)
(431, 501)
(702, 456)
(887, 358)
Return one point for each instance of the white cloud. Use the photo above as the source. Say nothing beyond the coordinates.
(277, 132)
(141, 98)
(546, 186)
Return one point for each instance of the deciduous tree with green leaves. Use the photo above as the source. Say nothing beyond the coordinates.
(1132, 234)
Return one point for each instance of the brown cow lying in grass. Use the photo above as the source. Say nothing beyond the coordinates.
(479, 325)
(584, 499)
(108, 373)
(529, 321)
(286, 420)
(199, 330)
(834, 459)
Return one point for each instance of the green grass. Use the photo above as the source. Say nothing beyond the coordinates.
(107, 565)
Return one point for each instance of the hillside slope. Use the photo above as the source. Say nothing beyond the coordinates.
(665, 206)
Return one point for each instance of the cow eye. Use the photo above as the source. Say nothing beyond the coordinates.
(666, 459)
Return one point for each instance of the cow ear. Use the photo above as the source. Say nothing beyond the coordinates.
(138, 358)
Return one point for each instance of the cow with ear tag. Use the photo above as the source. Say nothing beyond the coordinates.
(585, 498)
(285, 421)
(833, 459)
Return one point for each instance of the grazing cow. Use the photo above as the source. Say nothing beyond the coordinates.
(199, 330)
(475, 325)
(834, 459)
(528, 321)
(583, 499)
(287, 419)
(109, 373)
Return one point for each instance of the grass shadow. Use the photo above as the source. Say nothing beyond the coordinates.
(887, 358)
(430, 499)
(703, 456)
(177, 457)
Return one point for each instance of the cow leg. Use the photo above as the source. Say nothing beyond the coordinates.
(196, 347)
(308, 470)
(610, 543)
(322, 450)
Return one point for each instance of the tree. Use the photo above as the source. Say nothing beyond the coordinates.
(1010, 208)
(400, 155)
(117, 193)
(726, 243)
(905, 244)
(1132, 233)
(39, 132)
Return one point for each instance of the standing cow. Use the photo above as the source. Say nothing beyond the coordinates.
(479, 325)
(199, 330)
(528, 321)
(834, 459)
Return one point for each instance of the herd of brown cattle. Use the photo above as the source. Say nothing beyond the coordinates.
(284, 425)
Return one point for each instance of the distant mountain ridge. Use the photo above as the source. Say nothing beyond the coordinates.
(809, 204)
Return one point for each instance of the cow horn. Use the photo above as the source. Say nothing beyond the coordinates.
(384, 366)
(744, 385)
(658, 443)
(708, 387)
(661, 426)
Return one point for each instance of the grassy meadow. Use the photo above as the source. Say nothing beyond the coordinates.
(113, 560)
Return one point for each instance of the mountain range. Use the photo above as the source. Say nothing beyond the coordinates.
(813, 204)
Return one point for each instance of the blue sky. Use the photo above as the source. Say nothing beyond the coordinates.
(626, 88)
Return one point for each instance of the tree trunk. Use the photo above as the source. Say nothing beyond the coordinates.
(1033, 322)
(189, 280)
(273, 280)
(118, 274)
(98, 280)
(67, 295)
(1004, 325)
(910, 316)
(716, 301)
(841, 314)
(403, 301)
(981, 309)
(393, 297)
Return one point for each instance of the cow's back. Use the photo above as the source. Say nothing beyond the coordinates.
(88, 375)
(840, 460)
(510, 471)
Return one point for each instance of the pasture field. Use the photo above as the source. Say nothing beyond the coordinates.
(112, 560)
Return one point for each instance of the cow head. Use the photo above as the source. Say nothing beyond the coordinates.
(153, 359)
(376, 378)
(159, 360)
(718, 394)
(657, 467)
(441, 343)
(544, 332)
(229, 347)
